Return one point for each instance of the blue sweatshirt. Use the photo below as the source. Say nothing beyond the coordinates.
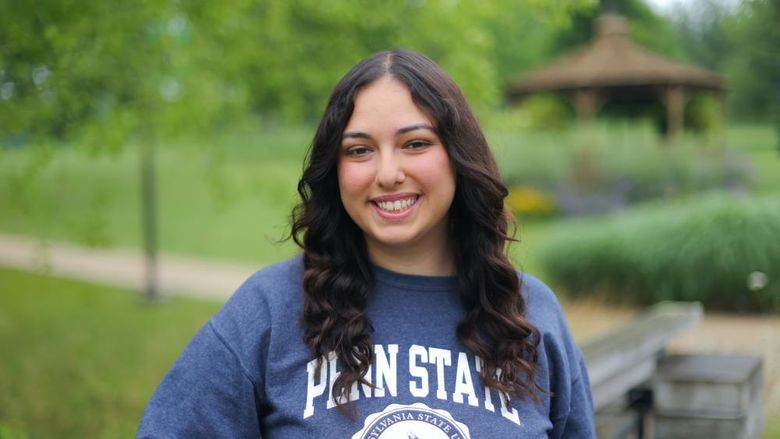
(248, 372)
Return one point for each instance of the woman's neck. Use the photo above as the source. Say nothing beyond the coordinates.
(424, 260)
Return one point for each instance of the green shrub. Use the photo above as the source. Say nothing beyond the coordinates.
(536, 114)
(526, 162)
(703, 114)
(722, 250)
(512, 120)
(608, 167)
(546, 112)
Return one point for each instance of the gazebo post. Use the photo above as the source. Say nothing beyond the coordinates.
(721, 99)
(585, 104)
(674, 101)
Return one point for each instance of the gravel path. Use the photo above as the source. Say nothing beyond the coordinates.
(124, 268)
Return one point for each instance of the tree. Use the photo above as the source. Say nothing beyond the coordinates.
(753, 70)
(646, 27)
(80, 70)
(94, 71)
(523, 36)
(702, 27)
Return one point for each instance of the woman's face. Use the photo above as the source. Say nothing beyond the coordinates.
(395, 178)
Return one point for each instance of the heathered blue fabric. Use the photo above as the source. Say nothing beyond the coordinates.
(247, 372)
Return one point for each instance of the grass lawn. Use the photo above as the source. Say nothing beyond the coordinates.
(760, 142)
(772, 429)
(228, 198)
(80, 360)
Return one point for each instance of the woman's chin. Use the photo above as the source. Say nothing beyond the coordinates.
(393, 241)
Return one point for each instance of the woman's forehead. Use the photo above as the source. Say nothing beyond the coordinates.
(386, 106)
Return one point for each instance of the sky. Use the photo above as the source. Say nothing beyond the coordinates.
(667, 6)
(661, 5)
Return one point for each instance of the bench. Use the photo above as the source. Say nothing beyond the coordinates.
(621, 361)
(640, 392)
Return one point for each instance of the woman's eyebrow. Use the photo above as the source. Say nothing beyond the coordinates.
(419, 126)
(355, 135)
(404, 130)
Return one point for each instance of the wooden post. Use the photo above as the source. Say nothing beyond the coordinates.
(674, 100)
(719, 96)
(585, 104)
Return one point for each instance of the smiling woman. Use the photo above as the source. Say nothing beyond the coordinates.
(412, 320)
(396, 181)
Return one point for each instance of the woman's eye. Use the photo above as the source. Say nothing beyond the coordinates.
(417, 144)
(357, 151)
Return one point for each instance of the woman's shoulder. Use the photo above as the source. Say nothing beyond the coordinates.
(544, 311)
(542, 306)
(268, 282)
(538, 295)
(270, 294)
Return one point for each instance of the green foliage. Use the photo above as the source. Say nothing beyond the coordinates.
(11, 433)
(65, 64)
(524, 34)
(547, 112)
(81, 360)
(97, 72)
(645, 27)
(754, 69)
(703, 114)
(536, 113)
(716, 250)
(740, 42)
(702, 28)
(604, 167)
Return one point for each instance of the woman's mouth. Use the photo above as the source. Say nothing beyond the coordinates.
(395, 208)
(397, 205)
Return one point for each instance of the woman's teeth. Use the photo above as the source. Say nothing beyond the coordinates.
(397, 205)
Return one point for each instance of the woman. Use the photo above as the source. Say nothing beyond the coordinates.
(404, 317)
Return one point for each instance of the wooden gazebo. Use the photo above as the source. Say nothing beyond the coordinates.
(613, 68)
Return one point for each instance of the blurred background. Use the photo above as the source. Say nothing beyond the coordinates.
(641, 147)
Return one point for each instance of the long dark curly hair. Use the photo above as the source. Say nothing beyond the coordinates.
(338, 280)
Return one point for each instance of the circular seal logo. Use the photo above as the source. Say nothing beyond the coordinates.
(416, 421)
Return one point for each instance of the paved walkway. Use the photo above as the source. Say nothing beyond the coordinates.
(124, 268)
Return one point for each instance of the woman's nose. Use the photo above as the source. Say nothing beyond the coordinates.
(390, 171)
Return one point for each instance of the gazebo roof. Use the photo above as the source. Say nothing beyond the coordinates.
(613, 60)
